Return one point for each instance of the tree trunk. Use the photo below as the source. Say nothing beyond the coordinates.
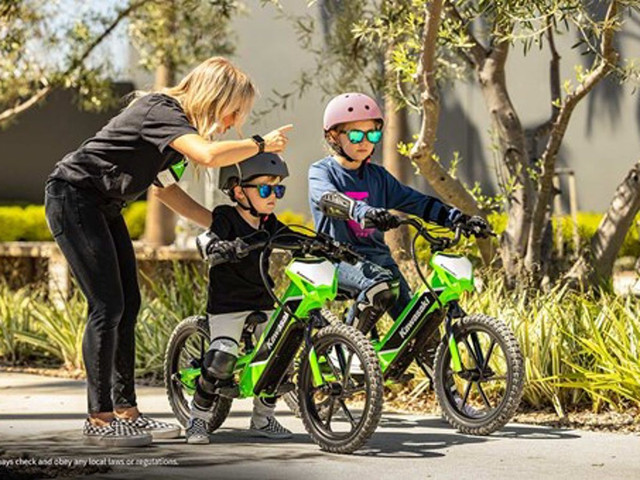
(506, 123)
(449, 189)
(160, 221)
(396, 129)
(601, 67)
(597, 264)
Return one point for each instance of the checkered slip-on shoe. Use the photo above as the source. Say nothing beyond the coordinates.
(196, 432)
(115, 434)
(272, 430)
(155, 428)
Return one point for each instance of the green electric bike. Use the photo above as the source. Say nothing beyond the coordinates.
(472, 361)
(297, 329)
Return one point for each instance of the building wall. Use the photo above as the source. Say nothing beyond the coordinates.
(30, 147)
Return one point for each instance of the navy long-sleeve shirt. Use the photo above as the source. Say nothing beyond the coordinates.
(372, 187)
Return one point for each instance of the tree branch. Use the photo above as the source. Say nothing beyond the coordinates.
(26, 105)
(600, 69)
(554, 82)
(476, 54)
(448, 188)
(43, 92)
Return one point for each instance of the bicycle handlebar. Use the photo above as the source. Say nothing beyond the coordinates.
(440, 243)
(302, 244)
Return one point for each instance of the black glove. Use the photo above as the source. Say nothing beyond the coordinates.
(475, 225)
(382, 219)
(227, 251)
(215, 250)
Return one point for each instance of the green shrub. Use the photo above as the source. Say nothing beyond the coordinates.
(135, 215)
(58, 330)
(164, 305)
(12, 224)
(28, 223)
(15, 318)
(579, 350)
(30, 322)
(289, 217)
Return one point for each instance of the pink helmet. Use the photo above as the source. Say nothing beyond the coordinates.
(351, 107)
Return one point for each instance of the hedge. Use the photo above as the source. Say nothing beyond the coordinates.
(28, 223)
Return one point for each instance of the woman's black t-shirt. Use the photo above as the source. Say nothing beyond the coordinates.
(236, 287)
(123, 159)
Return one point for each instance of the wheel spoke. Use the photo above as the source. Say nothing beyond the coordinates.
(332, 366)
(488, 357)
(346, 411)
(332, 405)
(347, 371)
(477, 348)
(495, 379)
(472, 353)
(466, 395)
(484, 396)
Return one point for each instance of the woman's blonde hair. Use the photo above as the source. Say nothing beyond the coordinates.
(211, 91)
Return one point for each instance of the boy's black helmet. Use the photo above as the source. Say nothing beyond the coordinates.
(265, 163)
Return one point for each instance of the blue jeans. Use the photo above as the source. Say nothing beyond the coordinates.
(356, 279)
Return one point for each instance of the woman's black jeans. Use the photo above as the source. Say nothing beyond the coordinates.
(93, 237)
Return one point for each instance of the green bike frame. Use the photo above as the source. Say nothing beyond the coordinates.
(451, 275)
(261, 370)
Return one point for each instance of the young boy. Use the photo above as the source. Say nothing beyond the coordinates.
(235, 288)
(353, 127)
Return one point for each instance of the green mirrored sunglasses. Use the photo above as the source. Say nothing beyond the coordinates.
(357, 136)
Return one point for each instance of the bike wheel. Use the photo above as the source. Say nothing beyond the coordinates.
(351, 371)
(491, 362)
(291, 398)
(186, 348)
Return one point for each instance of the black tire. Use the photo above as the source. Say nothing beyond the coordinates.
(463, 415)
(179, 400)
(316, 418)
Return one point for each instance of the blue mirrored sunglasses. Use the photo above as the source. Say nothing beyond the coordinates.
(265, 191)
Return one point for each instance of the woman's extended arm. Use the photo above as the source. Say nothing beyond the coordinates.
(180, 202)
(227, 152)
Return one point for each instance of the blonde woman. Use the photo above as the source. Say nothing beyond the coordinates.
(143, 145)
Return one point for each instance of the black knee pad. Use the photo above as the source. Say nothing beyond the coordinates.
(379, 298)
(220, 359)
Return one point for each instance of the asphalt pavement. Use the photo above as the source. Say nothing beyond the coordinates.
(41, 420)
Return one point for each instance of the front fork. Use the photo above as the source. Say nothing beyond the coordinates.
(316, 374)
(455, 311)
